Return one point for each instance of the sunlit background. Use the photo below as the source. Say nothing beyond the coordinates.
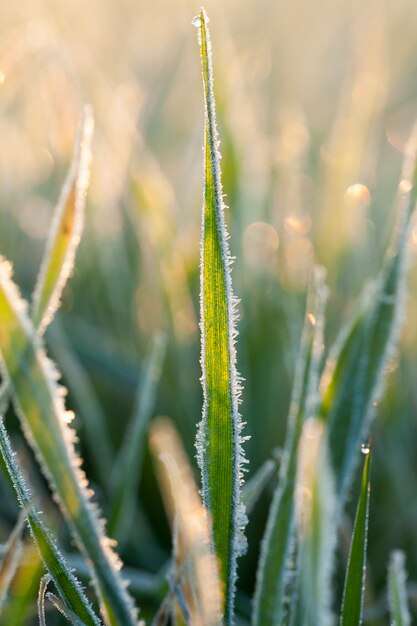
(315, 102)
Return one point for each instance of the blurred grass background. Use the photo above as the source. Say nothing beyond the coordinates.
(315, 102)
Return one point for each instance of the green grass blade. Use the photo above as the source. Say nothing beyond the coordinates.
(128, 463)
(397, 592)
(10, 558)
(352, 604)
(219, 440)
(63, 609)
(45, 580)
(273, 568)
(95, 432)
(65, 232)
(353, 379)
(39, 404)
(63, 238)
(254, 487)
(67, 585)
(316, 526)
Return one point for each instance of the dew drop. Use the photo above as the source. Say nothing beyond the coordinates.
(365, 448)
(197, 21)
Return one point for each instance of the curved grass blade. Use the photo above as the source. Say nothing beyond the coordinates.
(45, 580)
(65, 232)
(63, 238)
(10, 558)
(273, 569)
(220, 454)
(316, 526)
(353, 594)
(128, 463)
(353, 379)
(39, 404)
(397, 592)
(254, 487)
(63, 609)
(199, 581)
(67, 585)
(86, 402)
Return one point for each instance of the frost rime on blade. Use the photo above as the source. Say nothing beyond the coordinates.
(218, 434)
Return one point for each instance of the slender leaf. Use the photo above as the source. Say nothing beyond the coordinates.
(45, 580)
(352, 605)
(63, 609)
(316, 526)
(67, 585)
(274, 568)
(39, 404)
(126, 473)
(254, 487)
(10, 558)
(87, 405)
(65, 233)
(196, 581)
(219, 440)
(397, 592)
(353, 379)
(63, 238)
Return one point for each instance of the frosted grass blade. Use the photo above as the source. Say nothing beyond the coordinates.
(200, 581)
(45, 580)
(63, 237)
(353, 594)
(220, 454)
(38, 402)
(353, 379)
(128, 463)
(10, 558)
(316, 527)
(67, 585)
(254, 487)
(65, 232)
(274, 569)
(397, 592)
(63, 609)
(96, 435)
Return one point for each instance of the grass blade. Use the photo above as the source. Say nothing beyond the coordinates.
(219, 440)
(86, 402)
(127, 469)
(397, 592)
(63, 238)
(273, 569)
(353, 379)
(254, 487)
(45, 580)
(39, 404)
(316, 517)
(67, 585)
(353, 594)
(201, 587)
(11, 558)
(65, 232)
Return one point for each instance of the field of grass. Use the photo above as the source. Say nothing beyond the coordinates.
(247, 427)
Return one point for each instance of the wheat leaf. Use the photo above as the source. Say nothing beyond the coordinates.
(273, 568)
(43, 586)
(316, 528)
(68, 586)
(65, 232)
(126, 473)
(353, 379)
(39, 404)
(10, 558)
(397, 592)
(219, 440)
(353, 594)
